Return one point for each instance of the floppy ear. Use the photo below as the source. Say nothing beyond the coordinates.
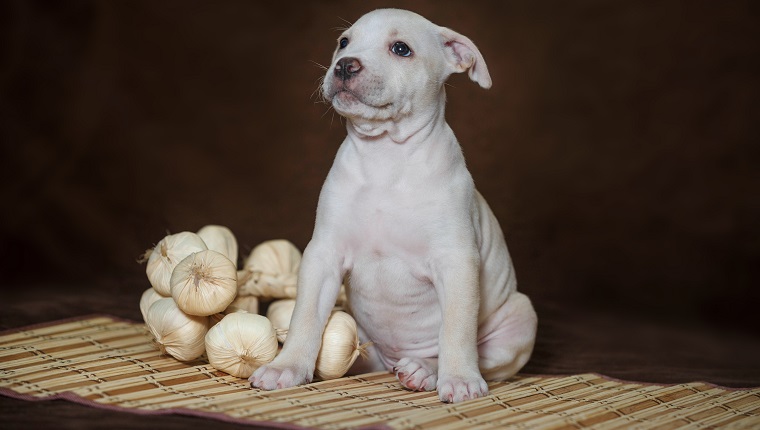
(462, 55)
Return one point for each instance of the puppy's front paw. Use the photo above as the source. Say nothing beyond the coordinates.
(417, 374)
(454, 389)
(272, 377)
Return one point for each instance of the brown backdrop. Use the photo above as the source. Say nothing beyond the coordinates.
(618, 146)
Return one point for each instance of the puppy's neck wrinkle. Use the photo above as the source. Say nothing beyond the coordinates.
(409, 129)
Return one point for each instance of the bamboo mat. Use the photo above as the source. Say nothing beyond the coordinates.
(110, 363)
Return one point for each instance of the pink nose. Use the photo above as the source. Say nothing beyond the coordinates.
(347, 67)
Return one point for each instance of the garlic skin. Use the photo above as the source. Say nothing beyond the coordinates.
(243, 303)
(204, 283)
(340, 346)
(280, 312)
(148, 297)
(240, 343)
(167, 254)
(271, 270)
(174, 332)
(220, 239)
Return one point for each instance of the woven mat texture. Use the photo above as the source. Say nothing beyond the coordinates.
(112, 363)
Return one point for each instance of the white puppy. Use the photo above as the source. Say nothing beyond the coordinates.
(431, 283)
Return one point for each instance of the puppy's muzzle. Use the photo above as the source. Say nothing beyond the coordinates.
(347, 67)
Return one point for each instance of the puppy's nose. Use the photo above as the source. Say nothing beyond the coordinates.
(347, 67)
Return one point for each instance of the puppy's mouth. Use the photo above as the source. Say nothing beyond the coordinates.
(346, 97)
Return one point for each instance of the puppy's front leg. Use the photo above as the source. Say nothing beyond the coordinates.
(457, 282)
(319, 281)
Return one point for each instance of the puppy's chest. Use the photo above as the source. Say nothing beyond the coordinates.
(388, 222)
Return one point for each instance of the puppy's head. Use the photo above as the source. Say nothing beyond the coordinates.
(392, 64)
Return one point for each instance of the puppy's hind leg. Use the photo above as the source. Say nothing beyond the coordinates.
(505, 341)
(416, 374)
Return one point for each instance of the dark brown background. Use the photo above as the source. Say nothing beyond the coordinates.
(618, 148)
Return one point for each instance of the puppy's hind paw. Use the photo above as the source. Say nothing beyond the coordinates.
(458, 389)
(417, 374)
(269, 377)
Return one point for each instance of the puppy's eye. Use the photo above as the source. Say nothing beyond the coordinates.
(401, 49)
(343, 42)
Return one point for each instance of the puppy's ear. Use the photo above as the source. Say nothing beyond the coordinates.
(462, 54)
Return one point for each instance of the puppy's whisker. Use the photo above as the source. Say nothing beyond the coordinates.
(323, 67)
(329, 108)
(317, 93)
(349, 23)
(320, 99)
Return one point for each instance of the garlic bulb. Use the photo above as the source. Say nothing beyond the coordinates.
(174, 332)
(220, 239)
(340, 346)
(148, 297)
(243, 303)
(167, 254)
(240, 343)
(271, 270)
(280, 312)
(204, 283)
